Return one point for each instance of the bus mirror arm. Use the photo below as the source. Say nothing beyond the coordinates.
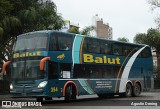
(43, 61)
(4, 66)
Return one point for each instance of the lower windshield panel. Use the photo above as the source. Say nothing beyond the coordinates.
(28, 70)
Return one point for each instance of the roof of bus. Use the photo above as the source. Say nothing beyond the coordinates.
(51, 31)
(45, 31)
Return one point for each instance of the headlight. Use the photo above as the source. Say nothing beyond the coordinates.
(11, 87)
(42, 84)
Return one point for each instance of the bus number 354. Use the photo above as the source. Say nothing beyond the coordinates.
(54, 89)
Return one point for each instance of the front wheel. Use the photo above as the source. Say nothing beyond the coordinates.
(70, 93)
(136, 90)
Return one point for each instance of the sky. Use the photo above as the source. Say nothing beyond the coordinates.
(126, 17)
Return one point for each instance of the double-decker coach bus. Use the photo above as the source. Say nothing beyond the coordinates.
(50, 64)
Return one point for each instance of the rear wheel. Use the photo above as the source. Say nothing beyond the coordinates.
(136, 90)
(128, 92)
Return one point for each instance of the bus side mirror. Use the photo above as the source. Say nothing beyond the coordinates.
(43, 61)
(4, 66)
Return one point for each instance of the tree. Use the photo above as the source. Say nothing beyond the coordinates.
(87, 30)
(8, 28)
(36, 15)
(21, 16)
(152, 38)
(155, 5)
(140, 38)
(84, 31)
(74, 29)
(123, 39)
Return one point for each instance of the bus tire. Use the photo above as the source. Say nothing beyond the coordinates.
(128, 92)
(39, 99)
(70, 93)
(136, 90)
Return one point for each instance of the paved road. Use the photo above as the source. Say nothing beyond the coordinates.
(146, 100)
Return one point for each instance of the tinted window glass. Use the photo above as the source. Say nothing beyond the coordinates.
(95, 71)
(53, 42)
(53, 70)
(117, 48)
(65, 42)
(36, 41)
(129, 50)
(106, 47)
(91, 45)
(61, 41)
(146, 53)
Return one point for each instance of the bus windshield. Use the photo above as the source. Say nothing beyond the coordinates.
(28, 70)
(36, 41)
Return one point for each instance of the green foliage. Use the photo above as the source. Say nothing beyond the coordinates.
(1, 33)
(74, 29)
(20, 16)
(84, 31)
(38, 16)
(140, 38)
(87, 30)
(5, 8)
(152, 38)
(123, 39)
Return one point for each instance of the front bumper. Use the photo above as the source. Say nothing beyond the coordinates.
(33, 93)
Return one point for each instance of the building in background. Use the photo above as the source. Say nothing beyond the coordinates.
(154, 58)
(103, 30)
(155, 64)
(66, 26)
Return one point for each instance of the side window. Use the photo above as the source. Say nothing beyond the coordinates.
(117, 48)
(53, 42)
(108, 72)
(81, 71)
(65, 42)
(65, 70)
(91, 45)
(53, 70)
(146, 53)
(106, 47)
(129, 49)
(96, 72)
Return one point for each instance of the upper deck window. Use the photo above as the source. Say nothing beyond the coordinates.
(61, 41)
(146, 53)
(117, 48)
(37, 41)
(91, 45)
